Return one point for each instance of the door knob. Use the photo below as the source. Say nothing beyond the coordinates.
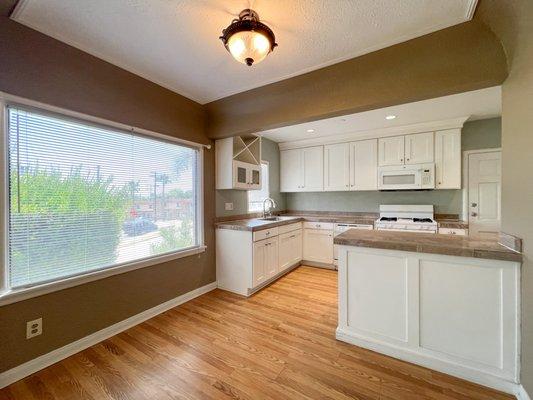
(474, 214)
(474, 204)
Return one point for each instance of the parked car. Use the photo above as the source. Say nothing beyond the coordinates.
(138, 226)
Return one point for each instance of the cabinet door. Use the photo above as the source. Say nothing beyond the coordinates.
(285, 258)
(364, 165)
(419, 148)
(318, 246)
(313, 169)
(448, 159)
(291, 170)
(272, 256)
(240, 175)
(254, 177)
(260, 260)
(297, 246)
(391, 151)
(337, 167)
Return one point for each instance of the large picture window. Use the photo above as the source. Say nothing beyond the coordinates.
(86, 197)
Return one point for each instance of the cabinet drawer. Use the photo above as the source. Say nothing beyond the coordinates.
(265, 234)
(289, 228)
(452, 231)
(318, 225)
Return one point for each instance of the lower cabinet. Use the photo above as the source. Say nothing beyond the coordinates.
(265, 264)
(290, 249)
(318, 245)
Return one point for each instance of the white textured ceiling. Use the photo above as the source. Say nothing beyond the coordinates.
(175, 42)
(478, 104)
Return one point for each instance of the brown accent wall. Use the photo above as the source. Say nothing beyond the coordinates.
(458, 59)
(40, 68)
(512, 21)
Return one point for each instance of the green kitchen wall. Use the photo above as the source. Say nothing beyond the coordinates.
(478, 134)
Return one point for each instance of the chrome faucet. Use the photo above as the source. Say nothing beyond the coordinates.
(272, 205)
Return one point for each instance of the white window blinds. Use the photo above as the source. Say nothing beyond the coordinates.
(84, 197)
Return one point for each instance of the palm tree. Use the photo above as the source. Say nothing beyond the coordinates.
(163, 179)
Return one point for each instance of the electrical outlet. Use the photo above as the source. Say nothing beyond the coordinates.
(228, 206)
(34, 328)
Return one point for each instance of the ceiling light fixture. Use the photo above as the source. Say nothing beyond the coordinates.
(390, 117)
(310, 130)
(248, 40)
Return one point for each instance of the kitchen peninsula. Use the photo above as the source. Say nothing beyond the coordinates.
(449, 303)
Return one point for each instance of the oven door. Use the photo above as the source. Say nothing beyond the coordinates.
(398, 178)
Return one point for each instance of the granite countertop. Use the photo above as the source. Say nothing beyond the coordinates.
(452, 223)
(256, 224)
(428, 243)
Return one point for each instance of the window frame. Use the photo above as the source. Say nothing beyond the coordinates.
(8, 295)
(268, 183)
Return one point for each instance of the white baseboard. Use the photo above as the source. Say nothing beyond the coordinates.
(521, 394)
(21, 371)
(458, 371)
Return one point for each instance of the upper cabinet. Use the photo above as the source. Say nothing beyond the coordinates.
(408, 149)
(391, 150)
(419, 148)
(302, 170)
(364, 165)
(448, 159)
(337, 167)
(238, 163)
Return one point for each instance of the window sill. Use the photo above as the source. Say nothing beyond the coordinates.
(19, 294)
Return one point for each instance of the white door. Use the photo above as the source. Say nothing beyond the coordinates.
(260, 260)
(448, 159)
(364, 165)
(419, 148)
(337, 167)
(391, 150)
(291, 170)
(285, 258)
(318, 245)
(484, 193)
(272, 258)
(313, 169)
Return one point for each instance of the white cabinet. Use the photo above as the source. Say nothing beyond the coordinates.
(238, 163)
(364, 165)
(318, 246)
(290, 249)
(337, 167)
(246, 176)
(265, 260)
(419, 148)
(409, 149)
(302, 170)
(391, 150)
(448, 159)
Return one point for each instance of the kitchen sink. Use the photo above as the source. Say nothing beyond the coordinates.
(271, 219)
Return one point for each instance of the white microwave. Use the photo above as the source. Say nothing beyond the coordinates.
(407, 177)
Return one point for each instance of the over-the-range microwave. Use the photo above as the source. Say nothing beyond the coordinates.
(407, 177)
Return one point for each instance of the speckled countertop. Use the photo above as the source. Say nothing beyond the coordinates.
(428, 243)
(256, 224)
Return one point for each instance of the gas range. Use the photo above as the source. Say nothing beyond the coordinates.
(406, 218)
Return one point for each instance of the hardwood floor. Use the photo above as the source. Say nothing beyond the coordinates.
(278, 344)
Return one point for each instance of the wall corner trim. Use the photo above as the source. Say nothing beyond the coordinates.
(522, 394)
(21, 371)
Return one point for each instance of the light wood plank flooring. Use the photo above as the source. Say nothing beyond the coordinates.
(278, 344)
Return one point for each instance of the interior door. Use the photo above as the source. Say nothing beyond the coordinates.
(419, 148)
(337, 167)
(364, 165)
(484, 193)
(313, 169)
(291, 170)
(391, 150)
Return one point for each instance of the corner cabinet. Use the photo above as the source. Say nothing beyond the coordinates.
(302, 170)
(238, 163)
(448, 159)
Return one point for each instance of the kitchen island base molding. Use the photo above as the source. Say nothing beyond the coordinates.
(458, 315)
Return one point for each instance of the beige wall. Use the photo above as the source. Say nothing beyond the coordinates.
(461, 58)
(512, 21)
(38, 67)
